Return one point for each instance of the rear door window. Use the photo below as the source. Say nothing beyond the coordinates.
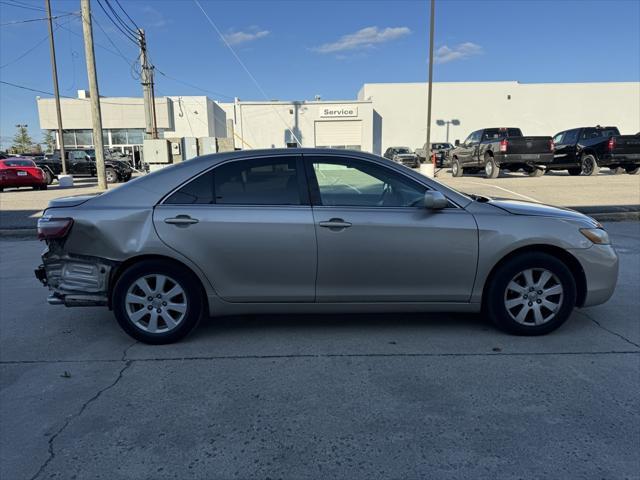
(271, 181)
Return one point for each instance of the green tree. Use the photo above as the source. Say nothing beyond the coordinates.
(49, 140)
(22, 142)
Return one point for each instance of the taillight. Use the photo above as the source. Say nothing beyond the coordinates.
(552, 146)
(50, 228)
(504, 143)
(612, 143)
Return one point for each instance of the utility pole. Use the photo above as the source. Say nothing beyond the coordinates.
(151, 130)
(431, 29)
(54, 71)
(94, 94)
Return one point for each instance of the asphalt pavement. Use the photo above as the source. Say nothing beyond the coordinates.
(307, 396)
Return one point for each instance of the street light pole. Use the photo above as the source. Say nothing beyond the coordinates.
(431, 30)
(54, 71)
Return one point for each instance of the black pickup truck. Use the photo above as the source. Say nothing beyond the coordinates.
(491, 149)
(82, 163)
(584, 150)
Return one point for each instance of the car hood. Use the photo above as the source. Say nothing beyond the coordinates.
(405, 155)
(518, 207)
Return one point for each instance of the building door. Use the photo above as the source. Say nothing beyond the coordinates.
(339, 134)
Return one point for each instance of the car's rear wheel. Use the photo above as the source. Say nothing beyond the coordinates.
(157, 302)
(632, 170)
(491, 168)
(456, 169)
(590, 165)
(574, 171)
(531, 294)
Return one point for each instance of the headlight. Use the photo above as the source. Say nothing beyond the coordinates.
(597, 235)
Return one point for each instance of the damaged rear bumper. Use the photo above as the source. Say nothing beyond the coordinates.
(75, 280)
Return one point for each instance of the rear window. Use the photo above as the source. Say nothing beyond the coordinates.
(499, 133)
(19, 163)
(599, 132)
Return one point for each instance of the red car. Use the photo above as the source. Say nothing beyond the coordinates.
(21, 172)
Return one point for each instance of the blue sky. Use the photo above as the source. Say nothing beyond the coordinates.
(297, 49)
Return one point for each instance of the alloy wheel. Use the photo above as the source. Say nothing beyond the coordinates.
(156, 303)
(488, 168)
(533, 296)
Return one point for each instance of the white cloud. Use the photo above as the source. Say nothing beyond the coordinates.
(364, 38)
(446, 54)
(236, 38)
(153, 18)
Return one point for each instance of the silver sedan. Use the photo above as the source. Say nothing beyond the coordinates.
(304, 230)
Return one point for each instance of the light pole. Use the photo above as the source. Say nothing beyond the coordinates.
(454, 122)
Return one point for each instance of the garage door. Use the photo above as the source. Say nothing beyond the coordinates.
(339, 134)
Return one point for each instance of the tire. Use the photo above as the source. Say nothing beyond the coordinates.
(632, 170)
(509, 281)
(574, 171)
(618, 170)
(491, 168)
(111, 175)
(589, 165)
(48, 176)
(536, 172)
(456, 169)
(171, 324)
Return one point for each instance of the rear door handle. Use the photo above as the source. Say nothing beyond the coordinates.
(335, 223)
(181, 220)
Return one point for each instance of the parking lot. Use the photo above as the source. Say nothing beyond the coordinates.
(341, 396)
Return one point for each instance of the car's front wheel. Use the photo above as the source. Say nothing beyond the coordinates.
(456, 169)
(590, 165)
(531, 294)
(112, 176)
(157, 302)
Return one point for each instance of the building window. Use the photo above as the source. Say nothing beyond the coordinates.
(135, 136)
(84, 138)
(119, 137)
(69, 138)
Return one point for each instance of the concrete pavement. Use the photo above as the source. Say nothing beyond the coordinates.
(357, 396)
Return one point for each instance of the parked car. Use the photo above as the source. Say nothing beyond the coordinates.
(305, 230)
(492, 149)
(403, 155)
(440, 149)
(16, 172)
(82, 163)
(584, 150)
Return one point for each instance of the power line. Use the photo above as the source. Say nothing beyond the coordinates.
(23, 87)
(125, 12)
(18, 22)
(40, 42)
(244, 67)
(126, 33)
(119, 18)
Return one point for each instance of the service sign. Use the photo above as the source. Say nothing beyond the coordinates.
(332, 111)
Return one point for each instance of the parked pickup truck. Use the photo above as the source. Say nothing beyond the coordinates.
(584, 150)
(403, 155)
(491, 149)
(82, 163)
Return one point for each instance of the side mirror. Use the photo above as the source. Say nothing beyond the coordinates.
(457, 143)
(434, 200)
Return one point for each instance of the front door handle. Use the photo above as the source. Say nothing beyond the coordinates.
(181, 220)
(335, 223)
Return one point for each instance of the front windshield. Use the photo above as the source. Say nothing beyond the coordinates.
(403, 150)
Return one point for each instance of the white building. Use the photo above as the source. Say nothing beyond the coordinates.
(536, 108)
(384, 114)
(123, 120)
(275, 124)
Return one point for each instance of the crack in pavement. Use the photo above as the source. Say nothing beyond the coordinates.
(50, 449)
(325, 355)
(619, 335)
